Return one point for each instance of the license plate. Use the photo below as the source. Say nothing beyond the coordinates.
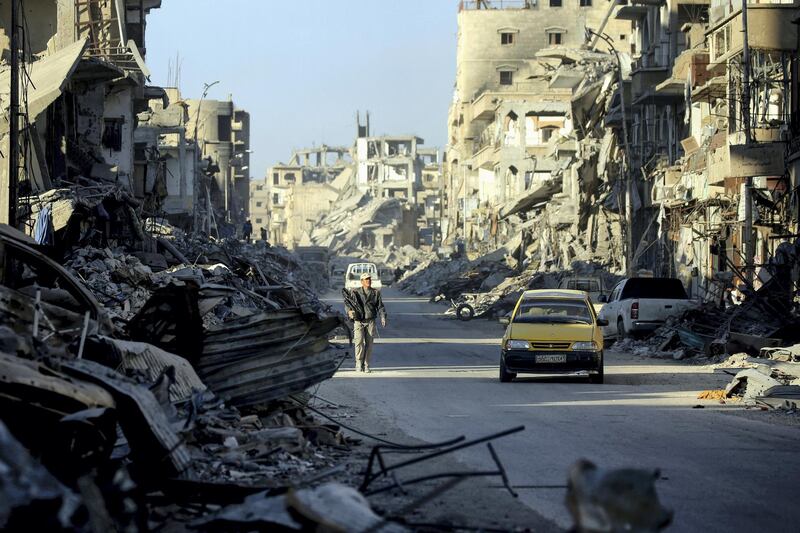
(551, 358)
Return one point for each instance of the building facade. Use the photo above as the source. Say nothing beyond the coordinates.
(506, 112)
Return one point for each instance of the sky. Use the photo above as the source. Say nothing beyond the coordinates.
(302, 68)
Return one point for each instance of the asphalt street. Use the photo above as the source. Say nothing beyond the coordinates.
(436, 377)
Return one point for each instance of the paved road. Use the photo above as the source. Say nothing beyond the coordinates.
(436, 378)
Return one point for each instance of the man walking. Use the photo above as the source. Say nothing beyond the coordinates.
(247, 230)
(363, 308)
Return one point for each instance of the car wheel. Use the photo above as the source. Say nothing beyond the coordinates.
(465, 312)
(505, 375)
(621, 333)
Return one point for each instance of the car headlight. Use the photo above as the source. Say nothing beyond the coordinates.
(589, 346)
(518, 345)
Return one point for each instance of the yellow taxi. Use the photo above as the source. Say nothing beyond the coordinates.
(552, 331)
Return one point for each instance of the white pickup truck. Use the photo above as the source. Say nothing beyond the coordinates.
(643, 304)
(352, 279)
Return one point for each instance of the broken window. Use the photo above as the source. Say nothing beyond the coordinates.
(506, 77)
(585, 3)
(555, 3)
(276, 199)
(259, 187)
(224, 127)
(112, 133)
(290, 177)
(506, 38)
(258, 221)
(259, 204)
(554, 38)
(547, 133)
(276, 179)
(511, 129)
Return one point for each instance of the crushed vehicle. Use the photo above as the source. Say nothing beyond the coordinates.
(639, 305)
(314, 257)
(552, 331)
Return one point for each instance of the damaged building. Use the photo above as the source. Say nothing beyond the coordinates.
(310, 201)
(291, 198)
(528, 156)
(222, 132)
(703, 160)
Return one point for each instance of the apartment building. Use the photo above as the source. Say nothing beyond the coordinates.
(704, 160)
(506, 112)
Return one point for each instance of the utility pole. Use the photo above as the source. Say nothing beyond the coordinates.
(749, 240)
(464, 175)
(13, 112)
(197, 191)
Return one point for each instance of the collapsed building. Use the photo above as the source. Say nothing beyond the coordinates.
(291, 198)
(529, 156)
(660, 156)
(382, 193)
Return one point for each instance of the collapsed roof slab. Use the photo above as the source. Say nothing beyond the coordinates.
(48, 77)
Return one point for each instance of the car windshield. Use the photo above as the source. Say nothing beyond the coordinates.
(553, 312)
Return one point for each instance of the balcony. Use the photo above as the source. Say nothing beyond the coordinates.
(477, 5)
(484, 106)
(723, 9)
(770, 27)
(486, 157)
(690, 63)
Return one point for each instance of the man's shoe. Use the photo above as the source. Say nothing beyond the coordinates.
(367, 370)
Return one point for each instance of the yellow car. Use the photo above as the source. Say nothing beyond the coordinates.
(553, 331)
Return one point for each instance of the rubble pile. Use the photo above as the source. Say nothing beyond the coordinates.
(259, 277)
(771, 380)
(765, 319)
(128, 410)
(487, 284)
(349, 227)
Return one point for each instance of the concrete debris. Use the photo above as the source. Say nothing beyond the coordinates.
(239, 325)
(615, 500)
(329, 507)
(490, 284)
(30, 496)
(768, 382)
(788, 354)
(336, 507)
(751, 383)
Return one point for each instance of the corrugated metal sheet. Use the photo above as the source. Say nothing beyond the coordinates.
(153, 360)
(265, 357)
(150, 434)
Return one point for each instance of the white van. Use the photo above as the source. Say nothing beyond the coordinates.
(352, 280)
